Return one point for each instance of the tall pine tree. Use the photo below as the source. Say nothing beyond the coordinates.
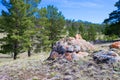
(18, 25)
(32, 12)
(42, 37)
(57, 23)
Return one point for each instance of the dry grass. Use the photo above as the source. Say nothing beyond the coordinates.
(6, 59)
(35, 68)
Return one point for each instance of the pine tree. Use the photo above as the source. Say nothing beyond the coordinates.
(114, 17)
(32, 12)
(91, 33)
(113, 21)
(72, 30)
(18, 26)
(81, 29)
(57, 23)
(42, 37)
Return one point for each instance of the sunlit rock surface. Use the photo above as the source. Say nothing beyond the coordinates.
(106, 56)
(115, 45)
(71, 48)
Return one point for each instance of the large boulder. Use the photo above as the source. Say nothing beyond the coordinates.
(71, 48)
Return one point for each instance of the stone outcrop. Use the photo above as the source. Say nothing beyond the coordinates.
(106, 56)
(71, 48)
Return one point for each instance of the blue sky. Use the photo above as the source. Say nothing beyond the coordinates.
(87, 10)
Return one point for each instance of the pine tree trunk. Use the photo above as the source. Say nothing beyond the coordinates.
(29, 52)
(15, 56)
(52, 45)
(15, 51)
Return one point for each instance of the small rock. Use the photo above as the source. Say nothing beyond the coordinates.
(54, 55)
(115, 45)
(68, 56)
(68, 77)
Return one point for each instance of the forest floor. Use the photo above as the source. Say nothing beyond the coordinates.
(38, 68)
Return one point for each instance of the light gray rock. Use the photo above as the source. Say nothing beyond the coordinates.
(71, 45)
(106, 57)
(68, 77)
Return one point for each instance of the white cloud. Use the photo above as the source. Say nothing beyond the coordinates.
(90, 4)
(77, 4)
